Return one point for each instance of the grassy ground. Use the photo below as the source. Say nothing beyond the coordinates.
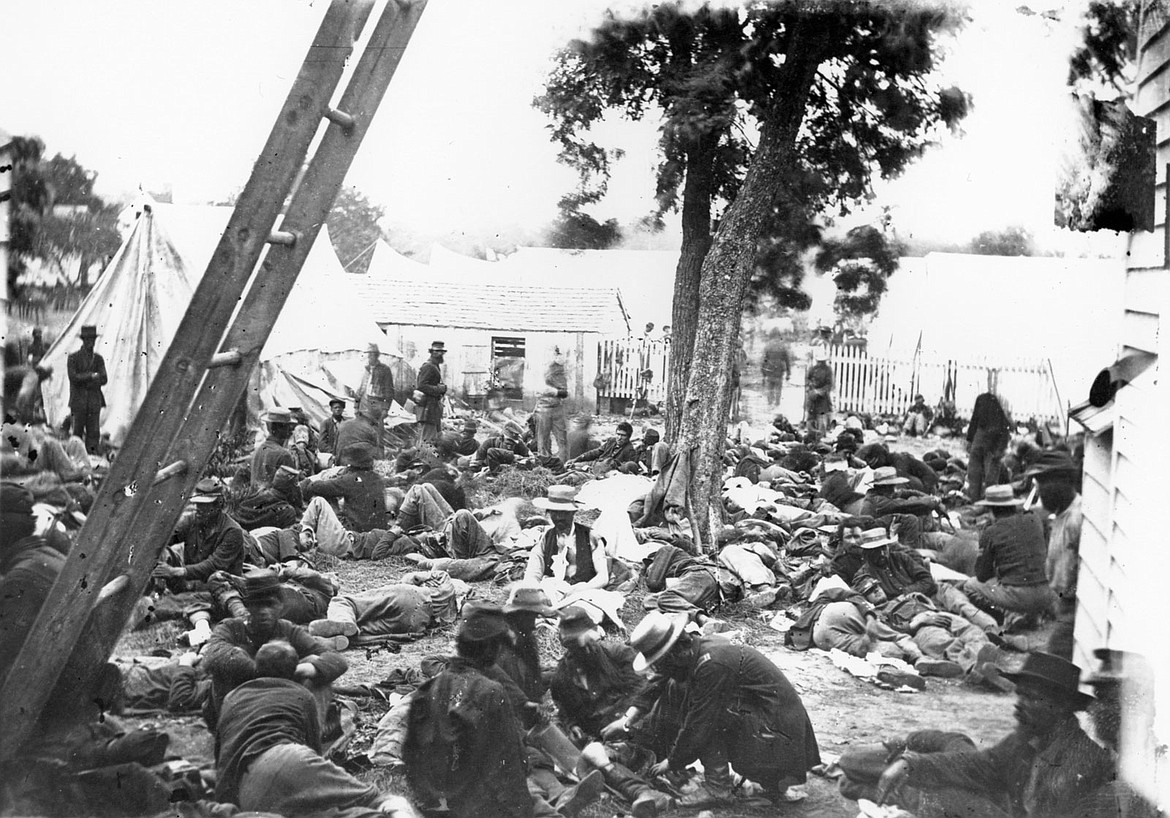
(845, 711)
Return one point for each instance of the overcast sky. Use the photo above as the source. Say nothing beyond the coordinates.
(184, 94)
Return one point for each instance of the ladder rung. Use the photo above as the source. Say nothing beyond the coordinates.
(282, 237)
(231, 357)
(167, 472)
(340, 118)
(114, 586)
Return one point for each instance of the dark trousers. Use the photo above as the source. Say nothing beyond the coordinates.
(86, 426)
(983, 460)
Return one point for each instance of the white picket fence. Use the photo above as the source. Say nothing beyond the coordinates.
(887, 385)
(621, 363)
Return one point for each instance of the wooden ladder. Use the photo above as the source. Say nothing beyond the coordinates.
(207, 366)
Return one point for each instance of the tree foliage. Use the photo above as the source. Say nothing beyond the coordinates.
(860, 263)
(574, 230)
(30, 199)
(774, 116)
(1107, 53)
(353, 227)
(1010, 241)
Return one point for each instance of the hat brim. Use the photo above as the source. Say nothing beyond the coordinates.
(642, 662)
(205, 499)
(1001, 503)
(1072, 471)
(1079, 697)
(538, 610)
(869, 546)
(891, 481)
(557, 505)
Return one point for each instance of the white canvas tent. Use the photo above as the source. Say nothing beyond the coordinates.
(1004, 309)
(314, 352)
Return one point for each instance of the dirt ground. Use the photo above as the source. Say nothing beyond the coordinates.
(845, 711)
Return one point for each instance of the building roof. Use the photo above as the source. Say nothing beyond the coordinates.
(495, 306)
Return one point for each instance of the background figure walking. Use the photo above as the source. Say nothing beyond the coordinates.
(776, 367)
(987, 438)
(550, 409)
(431, 388)
(87, 376)
(818, 391)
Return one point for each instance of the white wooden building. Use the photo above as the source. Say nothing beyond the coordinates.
(1123, 585)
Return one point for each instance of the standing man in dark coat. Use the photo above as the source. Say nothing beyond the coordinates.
(738, 709)
(988, 434)
(430, 384)
(87, 376)
(463, 740)
(377, 379)
(818, 391)
(776, 367)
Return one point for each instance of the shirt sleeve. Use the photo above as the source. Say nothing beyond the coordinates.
(330, 664)
(227, 553)
(985, 562)
(921, 580)
(534, 571)
(710, 687)
(600, 562)
(982, 771)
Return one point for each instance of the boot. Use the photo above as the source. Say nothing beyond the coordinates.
(941, 668)
(334, 643)
(716, 788)
(650, 803)
(332, 627)
(584, 793)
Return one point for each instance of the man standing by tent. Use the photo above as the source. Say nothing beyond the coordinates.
(377, 379)
(87, 376)
(430, 385)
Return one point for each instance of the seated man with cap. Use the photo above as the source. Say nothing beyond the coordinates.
(358, 491)
(767, 737)
(273, 452)
(568, 551)
(1046, 767)
(327, 439)
(1010, 573)
(463, 741)
(269, 745)
(230, 655)
(461, 446)
(422, 600)
(652, 453)
(838, 486)
(505, 449)
(207, 541)
(884, 500)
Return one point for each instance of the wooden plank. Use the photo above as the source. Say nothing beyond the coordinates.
(1147, 290)
(129, 511)
(1140, 331)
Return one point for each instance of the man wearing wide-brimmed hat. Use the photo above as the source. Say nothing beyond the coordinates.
(463, 740)
(377, 379)
(898, 570)
(430, 385)
(1046, 767)
(87, 375)
(521, 660)
(273, 452)
(766, 736)
(1056, 477)
(568, 550)
(883, 499)
(1010, 573)
(359, 491)
(209, 541)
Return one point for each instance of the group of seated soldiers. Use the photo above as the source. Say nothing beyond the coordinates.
(843, 538)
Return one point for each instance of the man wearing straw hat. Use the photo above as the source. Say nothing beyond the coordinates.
(1046, 767)
(568, 550)
(87, 375)
(898, 570)
(1010, 573)
(739, 710)
(273, 452)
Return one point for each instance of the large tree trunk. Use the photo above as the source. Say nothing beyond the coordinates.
(696, 241)
(723, 286)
